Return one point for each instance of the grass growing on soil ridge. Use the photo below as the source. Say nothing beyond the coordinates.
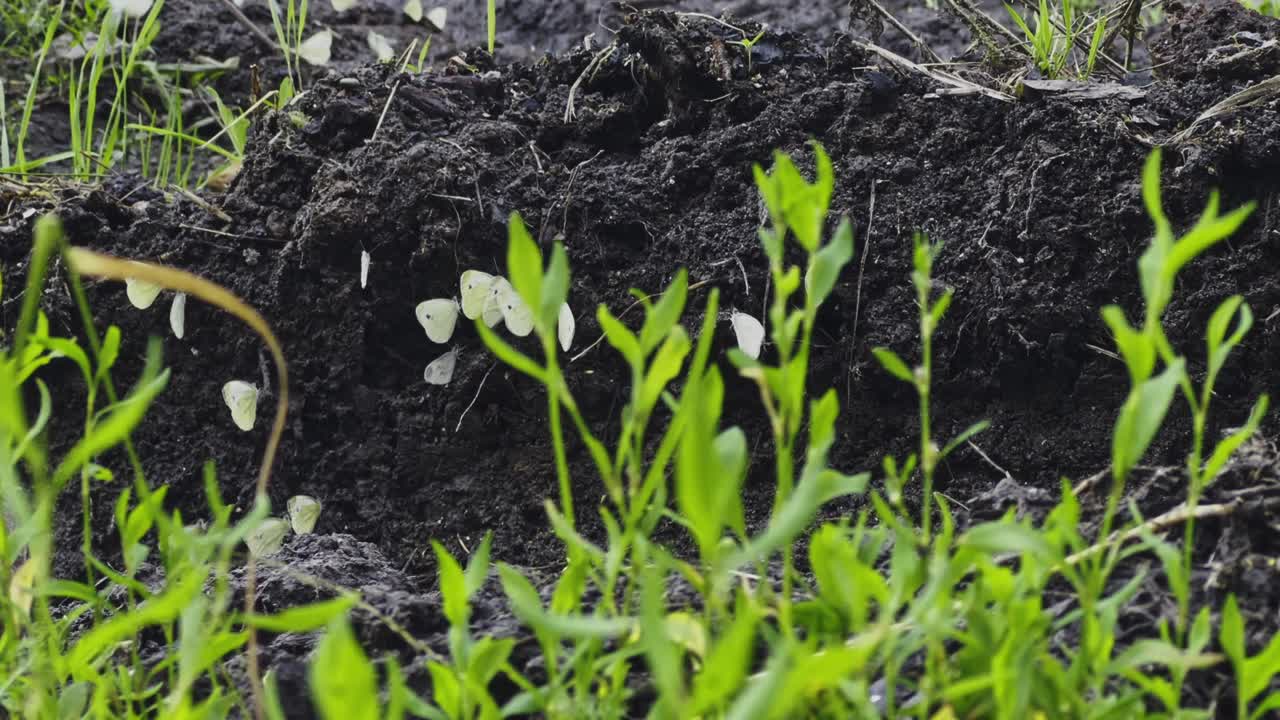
(897, 613)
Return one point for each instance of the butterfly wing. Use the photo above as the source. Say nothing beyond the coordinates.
(475, 291)
(440, 370)
(494, 301)
(304, 511)
(565, 327)
(141, 293)
(438, 317)
(267, 538)
(750, 333)
(178, 315)
(515, 313)
(242, 400)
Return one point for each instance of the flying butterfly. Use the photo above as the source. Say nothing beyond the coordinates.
(242, 400)
(380, 46)
(317, 49)
(750, 333)
(438, 317)
(438, 16)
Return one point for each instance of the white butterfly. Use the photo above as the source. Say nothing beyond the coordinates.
(141, 293)
(565, 327)
(438, 317)
(365, 259)
(515, 313)
(343, 5)
(242, 399)
(131, 8)
(304, 511)
(380, 46)
(475, 291)
(413, 8)
(440, 370)
(267, 538)
(178, 315)
(493, 303)
(317, 48)
(438, 16)
(750, 333)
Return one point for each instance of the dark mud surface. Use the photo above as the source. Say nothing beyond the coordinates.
(1038, 202)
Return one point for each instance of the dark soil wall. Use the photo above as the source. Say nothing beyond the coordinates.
(1037, 201)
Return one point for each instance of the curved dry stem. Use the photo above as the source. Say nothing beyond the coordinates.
(88, 262)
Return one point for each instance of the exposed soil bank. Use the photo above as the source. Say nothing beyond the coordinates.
(1037, 201)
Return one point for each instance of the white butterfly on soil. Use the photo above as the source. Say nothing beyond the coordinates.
(343, 5)
(440, 370)
(498, 291)
(316, 49)
(565, 327)
(475, 292)
(267, 538)
(750, 333)
(438, 317)
(365, 259)
(515, 313)
(413, 8)
(141, 293)
(242, 399)
(178, 315)
(304, 511)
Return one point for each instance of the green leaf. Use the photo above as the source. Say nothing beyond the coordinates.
(1227, 446)
(666, 661)
(116, 426)
(963, 437)
(74, 700)
(478, 565)
(662, 318)
(510, 355)
(727, 663)
(1141, 417)
(1004, 536)
(1261, 669)
(527, 606)
(622, 339)
(445, 689)
(344, 685)
(453, 586)
(487, 658)
(524, 263)
(1270, 705)
(305, 618)
(1137, 348)
(664, 368)
(1209, 231)
(555, 290)
(160, 609)
(890, 361)
(1231, 633)
(828, 262)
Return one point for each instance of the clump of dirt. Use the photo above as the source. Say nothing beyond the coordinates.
(639, 157)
